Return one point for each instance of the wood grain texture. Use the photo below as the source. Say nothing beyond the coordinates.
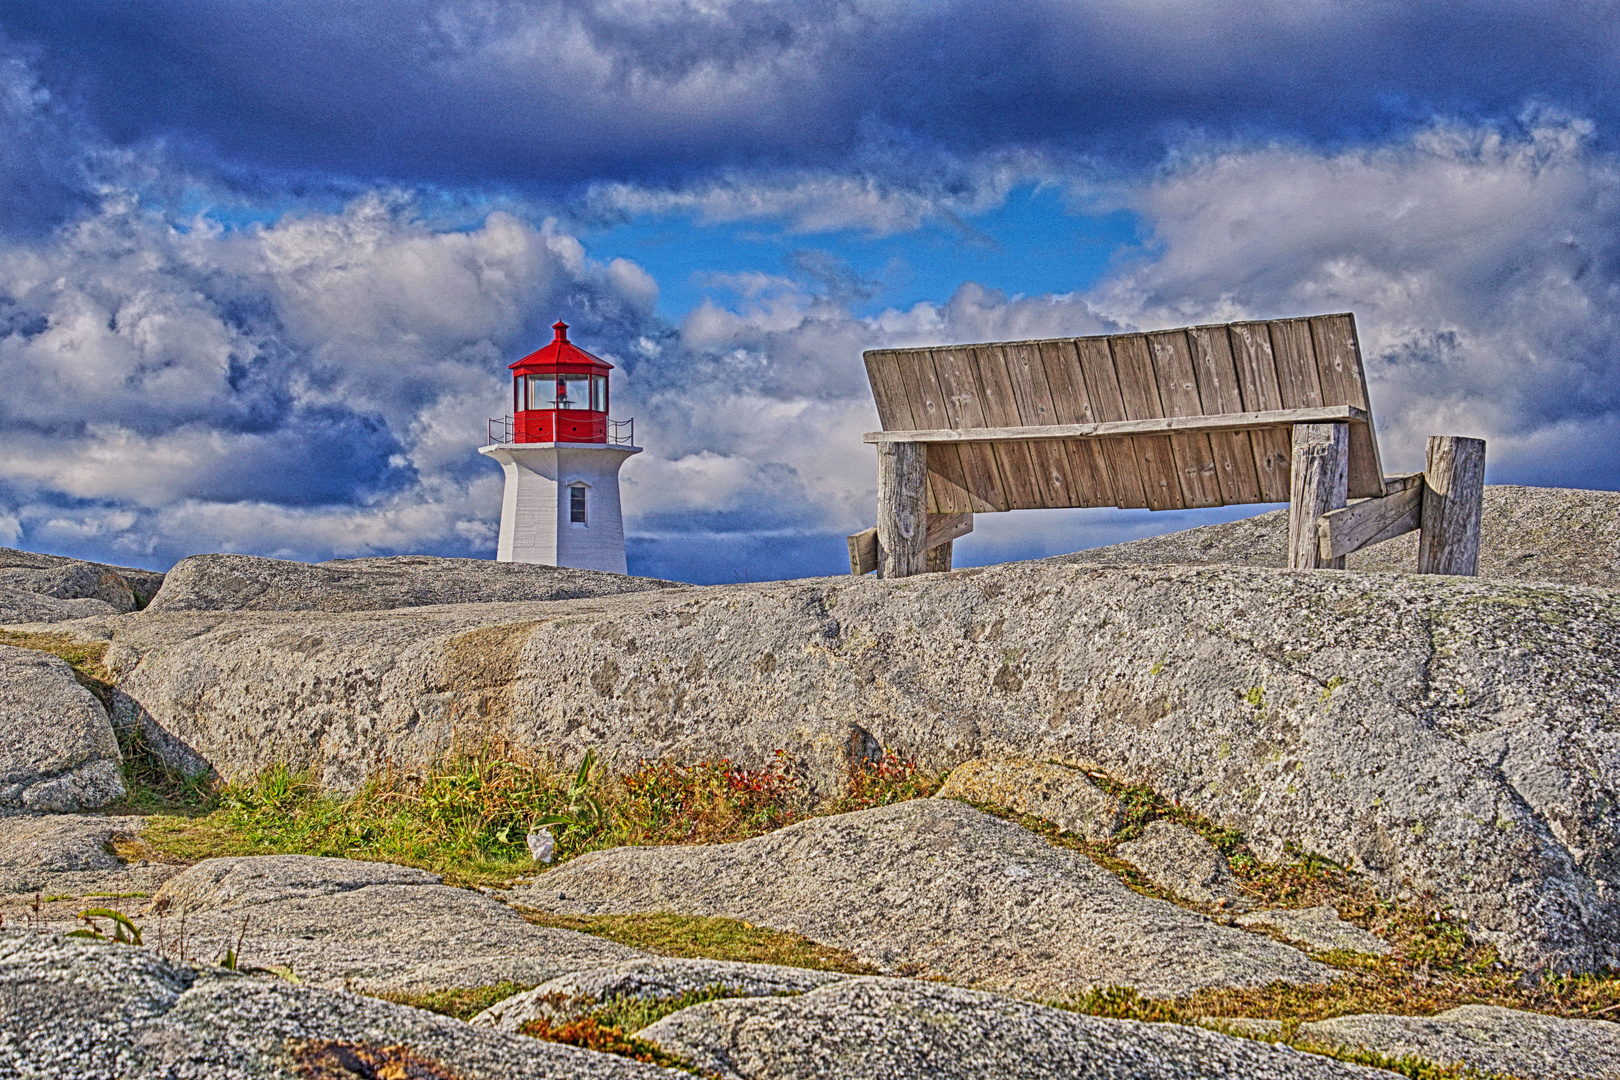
(1019, 476)
(1344, 382)
(863, 551)
(939, 558)
(1370, 521)
(1219, 393)
(1139, 389)
(959, 387)
(1102, 389)
(1453, 502)
(943, 528)
(1090, 484)
(1033, 398)
(947, 482)
(1178, 394)
(902, 527)
(1169, 425)
(1257, 381)
(1297, 377)
(1320, 475)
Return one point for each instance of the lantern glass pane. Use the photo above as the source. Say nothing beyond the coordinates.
(573, 391)
(599, 393)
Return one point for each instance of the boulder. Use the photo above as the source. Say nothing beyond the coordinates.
(124, 588)
(92, 1011)
(1318, 928)
(1444, 734)
(1060, 794)
(892, 1029)
(373, 927)
(69, 855)
(933, 887)
(650, 980)
(1486, 1038)
(249, 583)
(59, 753)
(1180, 861)
(1526, 534)
(19, 606)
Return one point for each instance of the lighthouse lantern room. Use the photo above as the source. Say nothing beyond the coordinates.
(561, 454)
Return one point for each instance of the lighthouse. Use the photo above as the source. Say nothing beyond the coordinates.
(561, 455)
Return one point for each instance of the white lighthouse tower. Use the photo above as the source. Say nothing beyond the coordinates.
(561, 455)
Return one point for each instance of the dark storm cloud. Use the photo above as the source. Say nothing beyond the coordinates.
(565, 93)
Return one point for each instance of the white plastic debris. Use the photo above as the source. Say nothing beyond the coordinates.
(542, 845)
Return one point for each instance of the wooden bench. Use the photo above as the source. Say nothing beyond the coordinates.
(1237, 413)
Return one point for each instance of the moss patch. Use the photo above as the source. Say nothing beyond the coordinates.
(697, 937)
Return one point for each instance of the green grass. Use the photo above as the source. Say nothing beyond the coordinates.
(468, 817)
(463, 1003)
(698, 937)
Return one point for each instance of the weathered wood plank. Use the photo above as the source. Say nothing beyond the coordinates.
(1320, 474)
(890, 394)
(1257, 380)
(1338, 362)
(943, 528)
(1071, 401)
(1140, 391)
(1453, 500)
(959, 384)
(1102, 387)
(1033, 397)
(947, 484)
(939, 558)
(1297, 378)
(1019, 475)
(1370, 521)
(863, 551)
(902, 526)
(1218, 392)
(1280, 418)
(1178, 394)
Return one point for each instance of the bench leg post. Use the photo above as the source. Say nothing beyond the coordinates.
(902, 519)
(1320, 482)
(939, 558)
(1453, 500)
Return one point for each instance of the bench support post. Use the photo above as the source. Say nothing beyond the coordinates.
(1453, 500)
(1320, 484)
(902, 517)
(939, 558)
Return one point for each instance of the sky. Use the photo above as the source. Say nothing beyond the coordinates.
(263, 263)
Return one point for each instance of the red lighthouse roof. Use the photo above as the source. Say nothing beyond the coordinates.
(561, 354)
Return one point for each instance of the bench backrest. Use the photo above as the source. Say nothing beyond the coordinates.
(1244, 367)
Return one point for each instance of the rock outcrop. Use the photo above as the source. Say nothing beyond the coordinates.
(1442, 734)
(1181, 862)
(933, 887)
(1318, 928)
(249, 583)
(1043, 789)
(93, 1011)
(373, 927)
(1486, 1038)
(1561, 535)
(51, 588)
(893, 1029)
(69, 854)
(59, 753)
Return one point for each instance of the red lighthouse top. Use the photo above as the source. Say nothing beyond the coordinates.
(560, 393)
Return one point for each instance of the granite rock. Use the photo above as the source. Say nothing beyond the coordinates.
(249, 583)
(933, 887)
(1060, 794)
(1526, 534)
(1443, 734)
(123, 588)
(1180, 861)
(69, 855)
(59, 753)
(1487, 1038)
(19, 607)
(656, 979)
(372, 927)
(1318, 928)
(891, 1029)
(92, 1011)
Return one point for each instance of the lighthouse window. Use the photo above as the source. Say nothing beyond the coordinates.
(599, 393)
(576, 504)
(573, 391)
